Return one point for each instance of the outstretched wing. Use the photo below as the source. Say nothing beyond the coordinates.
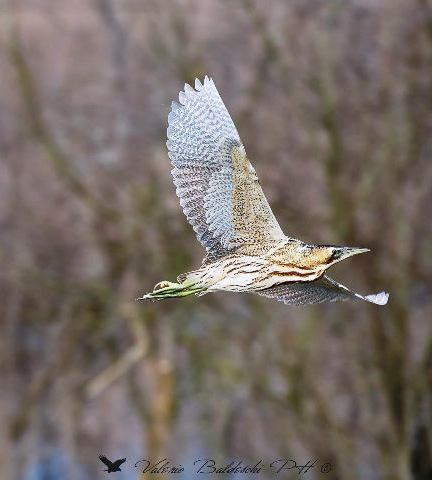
(117, 463)
(105, 460)
(217, 186)
(323, 290)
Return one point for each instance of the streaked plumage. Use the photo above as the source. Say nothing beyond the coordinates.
(222, 199)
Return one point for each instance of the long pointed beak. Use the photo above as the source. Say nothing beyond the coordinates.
(350, 251)
(361, 250)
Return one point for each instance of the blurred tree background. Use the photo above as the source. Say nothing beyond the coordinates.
(333, 100)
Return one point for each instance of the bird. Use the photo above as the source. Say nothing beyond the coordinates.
(112, 466)
(221, 196)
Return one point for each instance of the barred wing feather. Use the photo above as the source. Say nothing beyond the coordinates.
(217, 186)
(323, 290)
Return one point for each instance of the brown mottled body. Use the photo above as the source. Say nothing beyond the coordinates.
(287, 261)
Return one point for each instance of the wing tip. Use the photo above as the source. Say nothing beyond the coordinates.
(380, 298)
(186, 94)
(189, 90)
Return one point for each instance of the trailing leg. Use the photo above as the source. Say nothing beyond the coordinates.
(165, 289)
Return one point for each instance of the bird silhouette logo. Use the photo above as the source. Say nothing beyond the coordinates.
(112, 466)
(221, 196)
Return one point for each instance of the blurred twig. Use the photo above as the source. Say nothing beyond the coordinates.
(121, 367)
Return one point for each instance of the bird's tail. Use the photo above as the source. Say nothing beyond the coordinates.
(164, 290)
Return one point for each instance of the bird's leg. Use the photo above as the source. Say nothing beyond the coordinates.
(167, 289)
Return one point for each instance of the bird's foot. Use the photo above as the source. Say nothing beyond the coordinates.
(164, 284)
(167, 289)
(161, 290)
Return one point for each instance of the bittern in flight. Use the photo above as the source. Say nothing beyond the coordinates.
(222, 199)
